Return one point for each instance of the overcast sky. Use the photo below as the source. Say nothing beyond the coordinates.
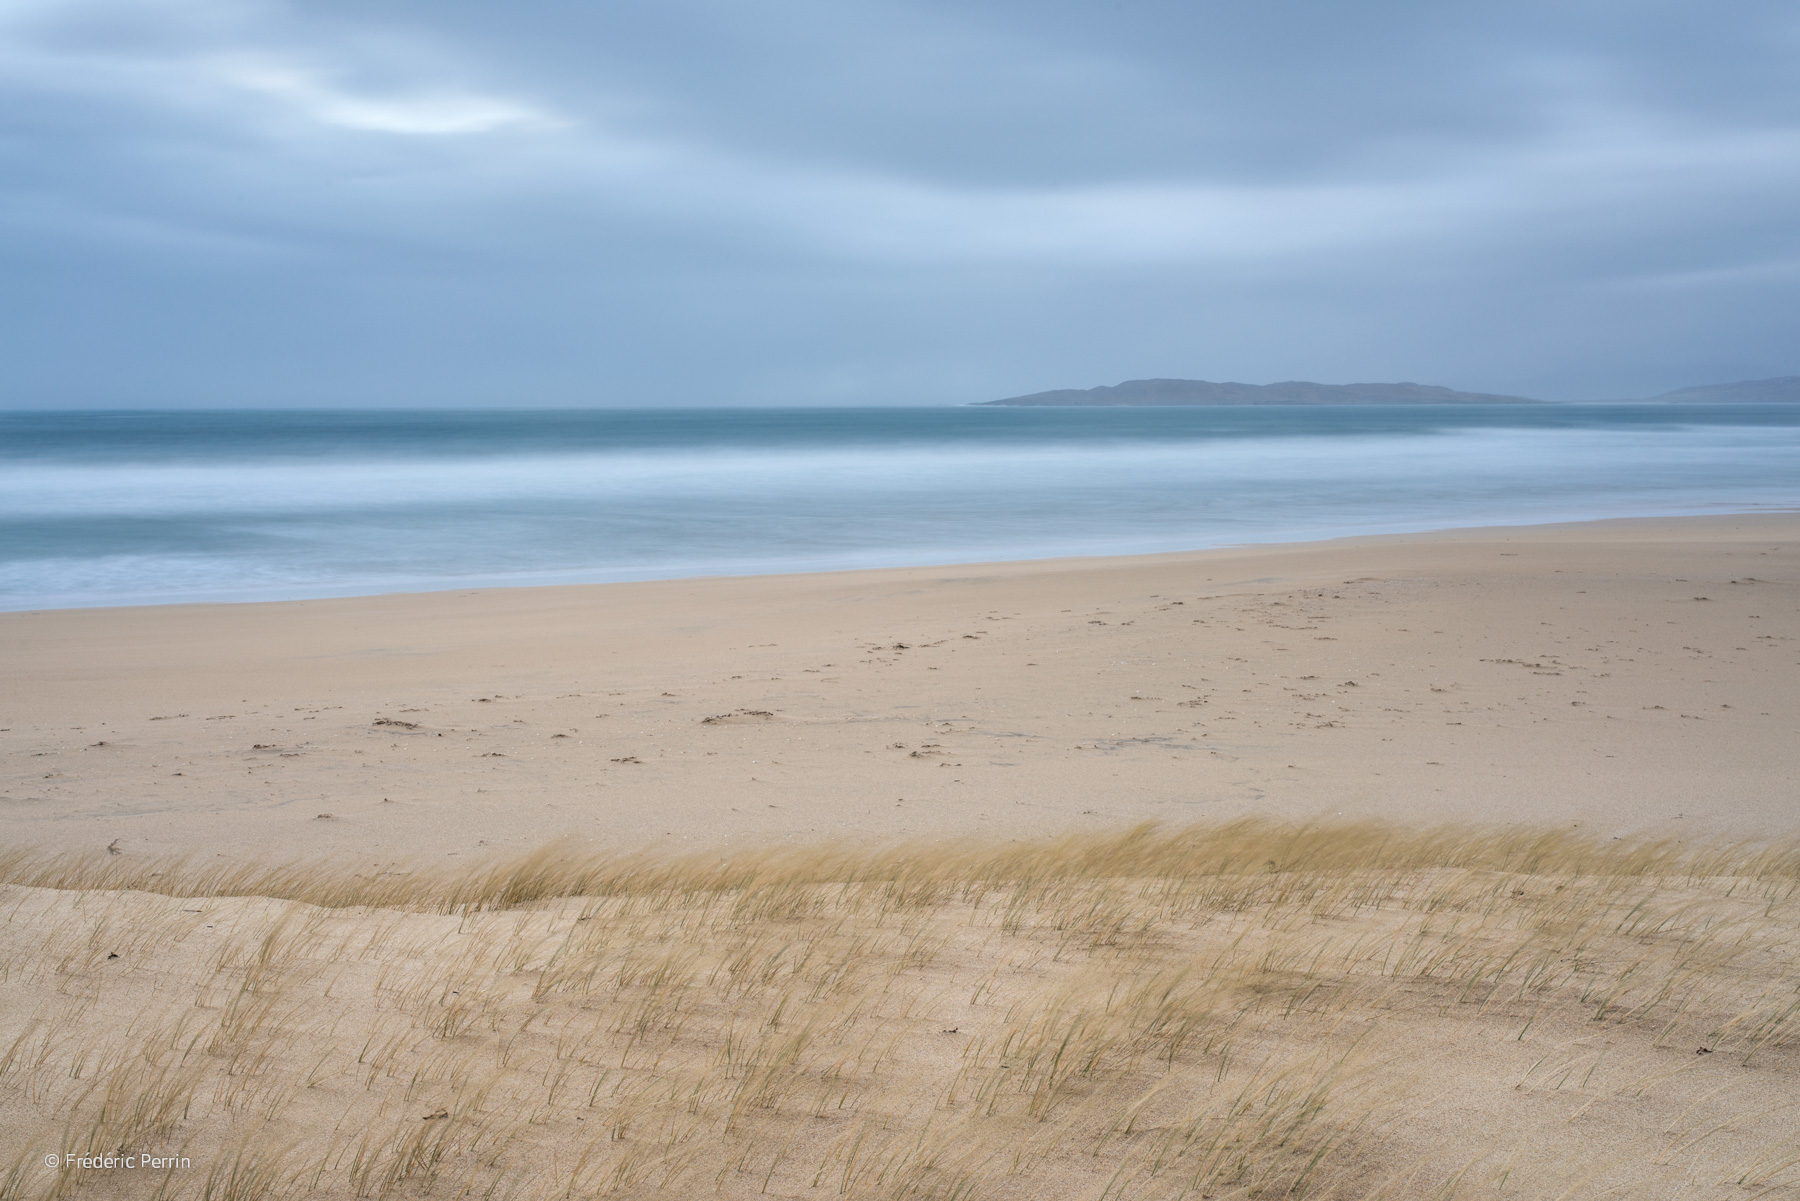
(555, 202)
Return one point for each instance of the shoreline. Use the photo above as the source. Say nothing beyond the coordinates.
(1559, 674)
(255, 508)
(1069, 560)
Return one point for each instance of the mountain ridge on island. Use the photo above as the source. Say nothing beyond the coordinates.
(1175, 392)
(1290, 392)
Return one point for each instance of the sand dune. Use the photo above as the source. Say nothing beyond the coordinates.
(1240, 1011)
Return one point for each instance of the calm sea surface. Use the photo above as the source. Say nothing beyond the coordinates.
(130, 508)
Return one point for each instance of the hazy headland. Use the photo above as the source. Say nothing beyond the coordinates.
(1783, 390)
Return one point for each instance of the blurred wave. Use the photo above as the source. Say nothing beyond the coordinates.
(139, 508)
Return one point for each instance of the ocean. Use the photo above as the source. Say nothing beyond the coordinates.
(126, 508)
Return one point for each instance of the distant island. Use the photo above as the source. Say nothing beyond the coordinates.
(1785, 390)
(1293, 392)
(1781, 390)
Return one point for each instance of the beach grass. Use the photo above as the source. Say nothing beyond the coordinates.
(1240, 1010)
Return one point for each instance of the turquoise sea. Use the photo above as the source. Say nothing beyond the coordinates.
(116, 508)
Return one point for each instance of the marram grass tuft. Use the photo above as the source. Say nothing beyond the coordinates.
(1242, 1010)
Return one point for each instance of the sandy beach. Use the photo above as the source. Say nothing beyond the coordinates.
(1625, 676)
(753, 888)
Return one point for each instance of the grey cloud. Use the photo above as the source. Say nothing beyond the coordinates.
(472, 203)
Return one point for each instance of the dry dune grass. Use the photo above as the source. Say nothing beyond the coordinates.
(1232, 1011)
